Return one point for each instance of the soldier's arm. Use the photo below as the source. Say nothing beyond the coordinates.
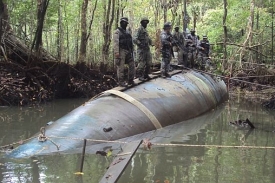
(136, 37)
(116, 43)
(182, 38)
(164, 40)
(199, 46)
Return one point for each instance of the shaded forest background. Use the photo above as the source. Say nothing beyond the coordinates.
(62, 48)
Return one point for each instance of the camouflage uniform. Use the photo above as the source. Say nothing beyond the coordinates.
(191, 44)
(166, 51)
(144, 56)
(204, 51)
(178, 37)
(122, 43)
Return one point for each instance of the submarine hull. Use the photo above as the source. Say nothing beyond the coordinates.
(115, 115)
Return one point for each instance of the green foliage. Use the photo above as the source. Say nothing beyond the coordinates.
(209, 14)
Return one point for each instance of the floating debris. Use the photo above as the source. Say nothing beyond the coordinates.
(242, 123)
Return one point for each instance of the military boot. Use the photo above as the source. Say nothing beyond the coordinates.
(167, 75)
(142, 78)
(163, 75)
(122, 84)
(131, 83)
(147, 77)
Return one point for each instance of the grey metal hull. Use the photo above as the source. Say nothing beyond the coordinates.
(169, 101)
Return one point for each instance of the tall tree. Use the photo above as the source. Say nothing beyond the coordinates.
(185, 16)
(59, 39)
(1, 17)
(164, 5)
(157, 6)
(4, 25)
(195, 13)
(249, 30)
(4, 18)
(225, 34)
(60, 32)
(272, 33)
(83, 41)
(92, 19)
(42, 6)
(109, 12)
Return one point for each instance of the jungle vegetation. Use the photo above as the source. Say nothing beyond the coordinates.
(81, 30)
(70, 32)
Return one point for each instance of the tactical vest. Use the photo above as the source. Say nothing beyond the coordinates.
(206, 46)
(125, 40)
(166, 48)
(178, 36)
(194, 40)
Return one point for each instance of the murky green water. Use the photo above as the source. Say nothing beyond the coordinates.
(162, 164)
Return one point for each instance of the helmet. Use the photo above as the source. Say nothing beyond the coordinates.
(177, 26)
(167, 25)
(144, 19)
(204, 37)
(192, 30)
(124, 19)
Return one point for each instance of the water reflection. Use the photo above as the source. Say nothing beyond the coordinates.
(211, 164)
(18, 123)
(162, 164)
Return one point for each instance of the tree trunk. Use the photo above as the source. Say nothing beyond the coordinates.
(249, 37)
(83, 41)
(59, 32)
(66, 26)
(92, 19)
(77, 35)
(194, 20)
(257, 27)
(272, 34)
(42, 6)
(174, 10)
(157, 14)
(250, 43)
(107, 26)
(1, 21)
(15, 47)
(185, 17)
(4, 21)
(164, 5)
(4, 17)
(225, 35)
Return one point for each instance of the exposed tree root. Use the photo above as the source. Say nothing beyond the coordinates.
(28, 77)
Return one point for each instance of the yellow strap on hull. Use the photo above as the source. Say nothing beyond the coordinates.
(139, 105)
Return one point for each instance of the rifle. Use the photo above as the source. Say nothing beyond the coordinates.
(176, 43)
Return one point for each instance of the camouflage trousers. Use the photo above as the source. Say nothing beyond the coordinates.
(144, 58)
(182, 58)
(191, 57)
(202, 58)
(165, 64)
(126, 57)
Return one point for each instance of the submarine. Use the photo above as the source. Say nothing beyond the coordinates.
(120, 113)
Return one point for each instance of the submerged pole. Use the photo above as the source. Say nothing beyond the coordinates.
(83, 155)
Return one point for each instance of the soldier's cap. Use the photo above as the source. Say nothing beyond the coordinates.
(144, 19)
(177, 26)
(192, 30)
(204, 37)
(167, 25)
(124, 19)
